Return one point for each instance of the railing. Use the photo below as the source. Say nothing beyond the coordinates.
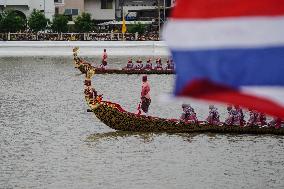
(139, 7)
(78, 37)
(15, 2)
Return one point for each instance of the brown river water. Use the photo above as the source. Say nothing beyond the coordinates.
(49, 140)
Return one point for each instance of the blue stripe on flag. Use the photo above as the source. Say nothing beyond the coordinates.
(232, 67)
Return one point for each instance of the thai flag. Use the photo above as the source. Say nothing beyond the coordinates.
(230, 51)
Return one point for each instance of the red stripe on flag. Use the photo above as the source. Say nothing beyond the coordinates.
(200, 9)
(203, 89)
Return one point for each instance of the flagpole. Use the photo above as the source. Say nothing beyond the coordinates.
(159, 21)
(123, 28)
(164, 11)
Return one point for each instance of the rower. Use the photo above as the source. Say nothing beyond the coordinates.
(139, 64)
(129, 65)
(188, 115)
(276, 123)
(159, 65)
(261, 120)
(214, 117)
(229, 120)
(239, 118)
(104, 60)
(170, 65)
(148, 65)
(253, 116)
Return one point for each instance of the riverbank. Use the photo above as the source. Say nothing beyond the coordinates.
(87, 48)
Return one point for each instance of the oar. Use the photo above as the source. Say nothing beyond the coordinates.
(138, 109)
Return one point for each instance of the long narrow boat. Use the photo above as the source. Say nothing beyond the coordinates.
(118, 71)
(83, 66)
(114, 116)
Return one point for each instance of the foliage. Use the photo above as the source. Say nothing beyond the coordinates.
(137, 27)
(83, 23)
(59, 23)
(37, 21)
(1, 18)
(10, 21)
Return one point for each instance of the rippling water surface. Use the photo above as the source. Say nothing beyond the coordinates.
(49, 140)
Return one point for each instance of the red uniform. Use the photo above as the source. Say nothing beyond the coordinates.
(104, 59)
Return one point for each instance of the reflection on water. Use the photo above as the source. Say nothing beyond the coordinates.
(116, 135)
(49, 140)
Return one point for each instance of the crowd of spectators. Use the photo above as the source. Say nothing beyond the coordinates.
(149, 36)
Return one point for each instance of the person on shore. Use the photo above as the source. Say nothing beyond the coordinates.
(104, 60)
(145, 95)
(139, 64)
(188, 115)
(159, 65)
(213, 117)
(148, 65)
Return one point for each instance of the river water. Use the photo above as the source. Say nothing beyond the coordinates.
(49, 140)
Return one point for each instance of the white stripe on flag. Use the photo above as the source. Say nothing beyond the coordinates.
(275, 94)
(241, 32)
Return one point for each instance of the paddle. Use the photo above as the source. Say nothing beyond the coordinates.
(138, 112)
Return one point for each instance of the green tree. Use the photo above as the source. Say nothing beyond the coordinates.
(12, 22)
(1, 18)
(59, 23)
(37, 21)
(83, 23)
(137, 27)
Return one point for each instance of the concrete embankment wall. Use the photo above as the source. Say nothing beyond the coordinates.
(87, 48)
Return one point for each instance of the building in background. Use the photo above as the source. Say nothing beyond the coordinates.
(108, 10)
(144, 9)
(100, 10)
(70, 8)
(25, 7)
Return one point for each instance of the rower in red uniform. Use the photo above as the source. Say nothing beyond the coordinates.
(159, 65)
(129, 65)
(240, 118)
(189, 115)
(139, 64)
(213, 117)
(104, 60)
(148, 65)
(276, 123)
(229, 120)
(261, 120)
(170, 65)
(253, 117)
